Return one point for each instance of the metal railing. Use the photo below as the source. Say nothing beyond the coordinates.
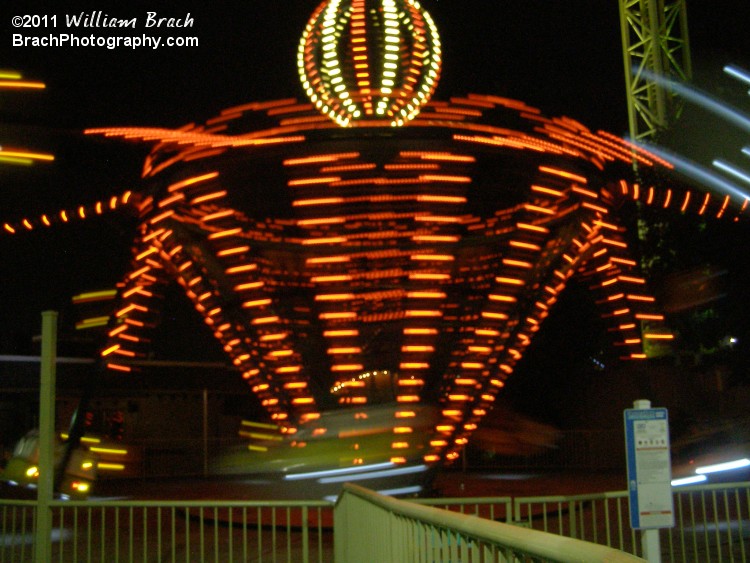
(370, 527)
(491, 508)
(712, 524)
(171, 531)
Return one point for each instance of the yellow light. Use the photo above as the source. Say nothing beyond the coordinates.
(303, 401)
(342, 47)
(110, 350)
(110, 466)
(407, 398)
(260, 436)
(112, 451)
(92, 323)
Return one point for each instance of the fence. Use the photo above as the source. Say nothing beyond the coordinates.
(171, 531)
(712, 524)
(499, 509)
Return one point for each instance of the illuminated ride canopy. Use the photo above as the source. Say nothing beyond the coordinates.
(318, 255)
(341, 267)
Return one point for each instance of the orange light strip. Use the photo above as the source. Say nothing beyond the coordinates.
(191, 181)
(313, 181)
(22, 84)
(545, 190)
(509, 281)
(537, 209)
(320, 158)
(208, 197)
(563, 174)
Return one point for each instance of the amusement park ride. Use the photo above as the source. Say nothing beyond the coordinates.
(375, 263)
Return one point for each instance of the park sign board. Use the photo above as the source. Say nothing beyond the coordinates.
(649, 468)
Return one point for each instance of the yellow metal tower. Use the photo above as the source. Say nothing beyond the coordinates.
(655, 47)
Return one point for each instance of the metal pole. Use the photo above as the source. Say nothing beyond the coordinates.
(42, 545)
(651, 546)
(205, 432)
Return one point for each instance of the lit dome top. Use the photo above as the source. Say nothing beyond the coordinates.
(369, 60)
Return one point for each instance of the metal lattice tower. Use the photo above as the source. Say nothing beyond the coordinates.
(655, 47)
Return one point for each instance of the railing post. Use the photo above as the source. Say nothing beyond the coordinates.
(305, 536)
(42, 545)
(572, 519)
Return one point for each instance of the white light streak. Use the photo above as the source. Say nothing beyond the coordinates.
(402, 491)
(723, 110)
(689, 480)
(727, 466)
(737, 72)
(698, 172)
(730, 169)
(374, 474)
(342, 471)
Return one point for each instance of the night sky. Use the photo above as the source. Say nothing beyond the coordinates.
(561, 56)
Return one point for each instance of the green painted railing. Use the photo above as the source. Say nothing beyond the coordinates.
(171, 531)
(712, 524)
(370, 527)
(491, 508)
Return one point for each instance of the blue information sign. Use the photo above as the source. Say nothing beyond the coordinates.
(649, 468)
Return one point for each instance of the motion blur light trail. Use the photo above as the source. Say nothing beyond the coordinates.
(722, 109)
(731, 116)
(738, 72)
(699, 173)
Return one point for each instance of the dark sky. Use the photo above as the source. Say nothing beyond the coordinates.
(562, 56)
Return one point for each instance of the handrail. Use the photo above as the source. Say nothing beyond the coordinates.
(189, 503)
(531, 542)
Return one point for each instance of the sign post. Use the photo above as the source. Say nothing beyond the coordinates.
(45, 484)
(649, 474)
